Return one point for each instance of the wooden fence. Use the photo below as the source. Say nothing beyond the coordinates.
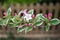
(44, 8)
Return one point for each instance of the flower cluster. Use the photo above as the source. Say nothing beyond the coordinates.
(28, 21)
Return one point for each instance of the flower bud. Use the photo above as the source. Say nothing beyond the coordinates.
(5, 14)
(29, 24)
(45, 15)
(15, 14)
(20, 26)
(33, 16)
(34, 27)
(26, 24)
(49, 18)
(50, 14)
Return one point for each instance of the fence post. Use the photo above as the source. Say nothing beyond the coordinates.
(44, 8)
(17, 8)
(56, 15)
(24, 6)
(37, 8)
(50, 9)
(1, 11)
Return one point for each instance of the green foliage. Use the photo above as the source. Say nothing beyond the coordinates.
(47, 27)
(29, 28)
(25, 25)
(31, 11)
(21, 29)
(55, 21)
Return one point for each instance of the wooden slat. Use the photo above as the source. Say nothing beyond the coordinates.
(44, 8)
(1, 11)
(56, 15)
(37, 8)
(17, 7)
(56, 10)
(25, 6)
(31, 6)
(50, 7)
(12, 9)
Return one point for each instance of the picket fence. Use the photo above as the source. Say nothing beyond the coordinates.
(39, 8)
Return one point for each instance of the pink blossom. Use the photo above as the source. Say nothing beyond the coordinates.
(5, 14)
(24, 11)
(34, 27)
(27, 17)
(30, 24)
(33, 16)
(15, 14)
(20, 26)
(49, 18)
(50, 14)
(26, 24)
(45, 15)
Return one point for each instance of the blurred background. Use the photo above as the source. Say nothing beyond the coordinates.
(8, 2)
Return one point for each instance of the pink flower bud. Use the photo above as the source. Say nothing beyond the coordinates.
(21, 26)
(49, 18)
(34, 27)
(45, 15)
(29, 24)
(26, 24)
(15, 14)
(5, 14)
(50, 14)
(33, 16)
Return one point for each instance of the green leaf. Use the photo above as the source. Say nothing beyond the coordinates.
(41, 17)
(21, 29)
(39, 23)
(9, 11)
(55, 21)
(29, 28)
(5, 21)
(15, 19)
(47, 27)
(19, 14)
(31, 11)
(12, 25)
(8, 16)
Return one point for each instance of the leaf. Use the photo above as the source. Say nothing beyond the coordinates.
(42, 18)
(47, 27)
(5, 21)
(29, 28)
(38, 23)
(9, 11)
(15, 19)
(12, 25)
(31, 11)
(8, 16)
(55, 21)
(19, 14)
(21, 29)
